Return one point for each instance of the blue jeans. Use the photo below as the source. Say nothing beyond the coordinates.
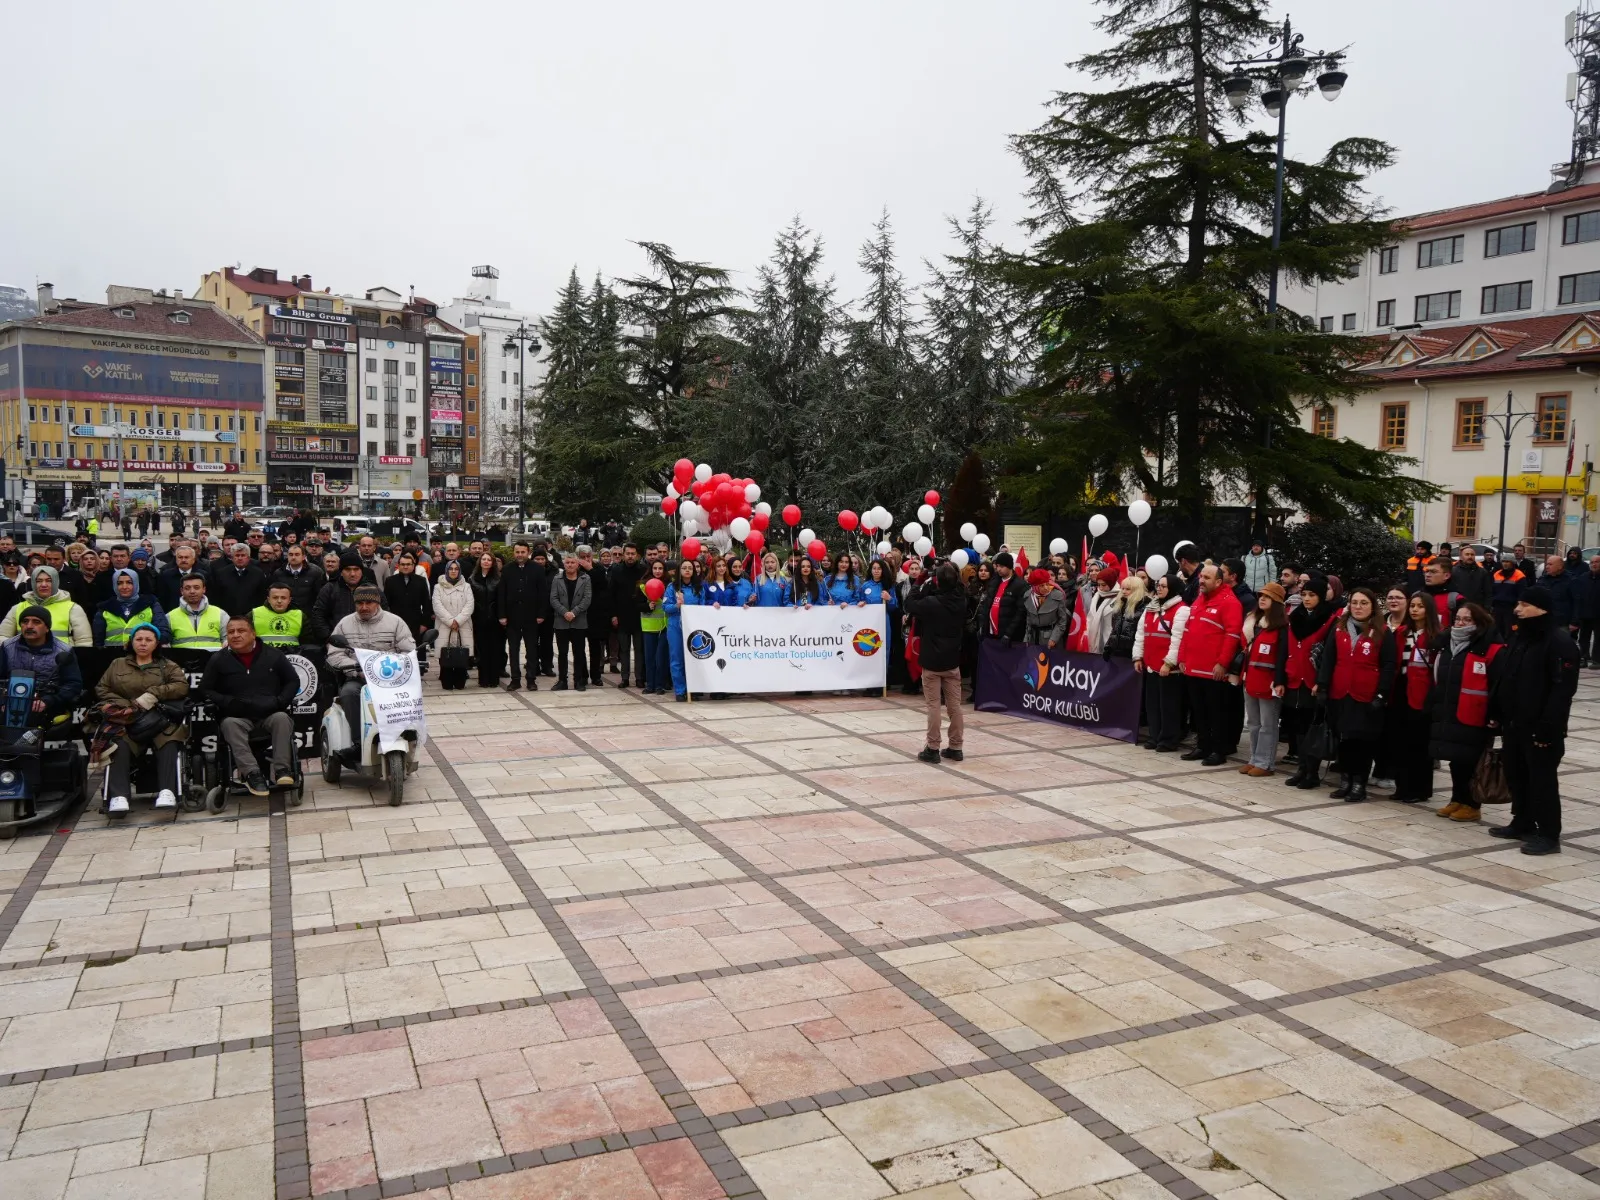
(1261, 719)
(674, 637)
(656, 667)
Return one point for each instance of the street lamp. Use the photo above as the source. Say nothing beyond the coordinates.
(519, 340)
(1507, 421)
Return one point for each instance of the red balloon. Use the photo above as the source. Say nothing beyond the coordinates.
(817, 550)
(744, 509)
(791, 514)
(931, 498)
(683, 467)
(699, 490)
(669, 505)
(655, 588)
(755, 542)
(848, 520)
(691, 547)
(759, 521)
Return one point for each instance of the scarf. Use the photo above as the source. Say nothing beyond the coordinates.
(1460, 638)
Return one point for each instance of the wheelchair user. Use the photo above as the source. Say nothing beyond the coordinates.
(252, 686)
(137, 697)
(57, 681)
(368, 628)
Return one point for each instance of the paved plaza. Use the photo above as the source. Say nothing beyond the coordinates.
(622, 949)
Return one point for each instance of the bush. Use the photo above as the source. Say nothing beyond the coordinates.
(647, 531)
(1358, 552)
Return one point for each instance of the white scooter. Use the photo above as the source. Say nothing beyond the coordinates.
(339, 748)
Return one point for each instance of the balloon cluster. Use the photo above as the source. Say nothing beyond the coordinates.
(711, 503)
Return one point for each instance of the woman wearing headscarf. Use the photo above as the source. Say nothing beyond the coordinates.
(1155, 656)
(128, 696)
(1099, 606)
(68, 621)
(127, 608)
(1045, 608)
(453, 606)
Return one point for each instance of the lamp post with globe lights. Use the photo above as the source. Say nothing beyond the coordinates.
(519, 341)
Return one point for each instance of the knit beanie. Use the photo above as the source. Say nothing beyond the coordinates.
(1538, 596)
(34, 610)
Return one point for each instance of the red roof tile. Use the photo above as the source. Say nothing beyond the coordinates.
(206, 324)
(242, 280)
(1528, 202)
(1521, 342)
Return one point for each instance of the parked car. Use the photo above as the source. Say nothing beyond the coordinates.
(31, 533)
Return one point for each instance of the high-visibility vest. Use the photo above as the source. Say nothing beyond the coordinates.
(93, 527)
(277, 629)
(653, 621)
(1355, 669)
(186, 635)
(1158, 624)
(60, 609)
(1299, 667)
(117, 627)
(1418, 662)
(1472, 706)
(1263, 662)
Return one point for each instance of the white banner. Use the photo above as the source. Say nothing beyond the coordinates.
(820, 649)
(395, 682)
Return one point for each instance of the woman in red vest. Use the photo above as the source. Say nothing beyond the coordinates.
(1264, 664)
(1155, 655)
(1309, 624)
(1356, 673)
(1414, 645)
(1460, 731)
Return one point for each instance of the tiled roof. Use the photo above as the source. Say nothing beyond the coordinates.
(1526, 345)
(206, 324)
(242, 280)
(1528, 202)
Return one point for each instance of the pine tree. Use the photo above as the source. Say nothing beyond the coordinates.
(1146, 284)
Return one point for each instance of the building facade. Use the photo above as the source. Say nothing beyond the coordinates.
(149, 393)
(448, 365)
(502, 389)
(391, 400)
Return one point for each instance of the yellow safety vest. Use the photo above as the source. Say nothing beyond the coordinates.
(186, 635)
(60, 607)
(277, 629)
(117, 628)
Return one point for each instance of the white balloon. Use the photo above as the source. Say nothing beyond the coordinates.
(885, 518)
(688, 526)
(764, 509)
(1180, 546)
(911, 532)
(739, 528)
(672, 489)
(1058, 545)
(869, 520)
(968, 532)
(807, 536)
(1139, 512)
(1098, 525)
(1155, 566)
(702, 473)
(959, 557)
(752, 493)
(884, 547)
(689, 510)
(981, 543)
(922, 545)
(925, 514)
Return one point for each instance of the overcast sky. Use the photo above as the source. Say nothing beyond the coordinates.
(402, 143)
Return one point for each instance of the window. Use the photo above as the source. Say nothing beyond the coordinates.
(372, 420)
(1580, 227)
(1392, 435)
(472, 406)
(1325, 422)
(472, 380)
(472, 431)
(1438, 306)
(391, 366)
(411, 427)
(1512, 239)
(1463, 517)
(1326, 324)
(372, 449)
(372, 365)
(372, 392)
(1508, 297)
(502, 404)
(1469, 424)
(1580, 289)
(516, 378)
(1348, 322)
(411, 395)
(1388, 260)
(472, 354)
(1441, 252)
(1550, 423)
(411, 368)
(411, 449)
(502, 376)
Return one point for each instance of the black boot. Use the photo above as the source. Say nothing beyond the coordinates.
(1313, 774)
(1297, 778)
(1345, 784)
(1358, 790)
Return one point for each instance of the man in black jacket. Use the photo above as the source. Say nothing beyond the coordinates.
(1001, 611)
(628, 604)
(237, 586)
(1471, 581)
(337, 599)
(1531, 684)
(251, 685)
(524, 608)
(599, 628)
(303, 579)
(940, 611)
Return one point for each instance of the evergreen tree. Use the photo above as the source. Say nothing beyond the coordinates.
(1146, 284)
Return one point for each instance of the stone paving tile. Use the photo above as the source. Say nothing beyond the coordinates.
(1571, 878)
(535, 777)
(982, 822)
(812, 840)
(791, 1031)
(364, 830)
(748, 796)
(390, 886)
(891, 783)
(653, 935)
(1133, 805)
(573, 814)
(1101, 872)
(616, 862)
(1259, 850)
(162, 849)
(671, 766)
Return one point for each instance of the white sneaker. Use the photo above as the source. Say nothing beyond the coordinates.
(165, 799)
(1386, 785)
(118, 806)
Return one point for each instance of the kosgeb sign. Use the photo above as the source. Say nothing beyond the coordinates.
(1084, 691)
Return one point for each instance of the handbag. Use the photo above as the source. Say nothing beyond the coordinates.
(1317, 742)
(1489, 783)
(454, 656)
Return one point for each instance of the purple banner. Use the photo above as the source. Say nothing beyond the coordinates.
(1082, 691)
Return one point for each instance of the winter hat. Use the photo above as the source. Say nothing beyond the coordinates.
(1003, 559)
(368, 592)
(1538, 596)
(1038, 576)
(1275, 590)
(144, 625)
(139, 556)
(34, 610)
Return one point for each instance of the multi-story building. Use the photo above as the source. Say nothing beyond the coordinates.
(391, 399)
(311, 435)
(448, 365)
(159, 395)
(503, 390)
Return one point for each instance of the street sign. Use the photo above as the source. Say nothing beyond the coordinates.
(146, 433)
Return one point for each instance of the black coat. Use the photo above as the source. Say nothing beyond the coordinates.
(1013, 615)
(334, 602)
(267, 686)
(1448, 738)
(408, 597)
(600, 613)
(1474, 583)
(237, 528)
(524, 594)
(236, 592)
(1532, 680)
(628, 603)
(1587, 590)
(1352, 719)
(1564, 596)
(87, 595)
(939, 614)
(303, 586)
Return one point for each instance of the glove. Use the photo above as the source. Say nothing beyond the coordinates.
(146, 701)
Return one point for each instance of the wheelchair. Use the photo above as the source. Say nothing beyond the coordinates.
(44, 771)
(220, 772)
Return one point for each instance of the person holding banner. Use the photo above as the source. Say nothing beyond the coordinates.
(805, 588)
(128, 695)
(843, 588)
(684, 589)
(769, 589)
(940, 609)
(1046, 617)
